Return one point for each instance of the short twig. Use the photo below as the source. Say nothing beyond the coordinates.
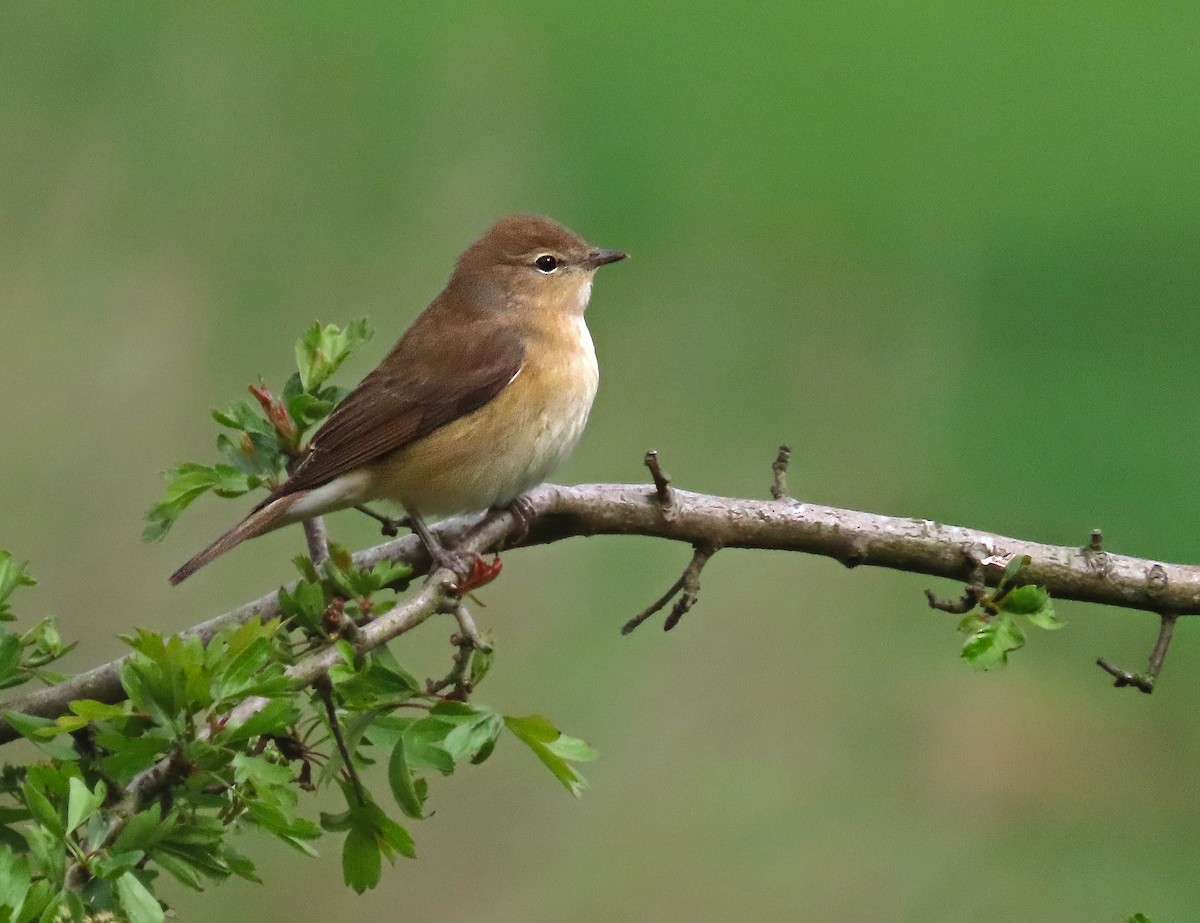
(1144, 681)
(388, 525)
(779, 469)
(662, 483)
(1096, 542)
(688, 582)
(972, 593)
(467, 641)
(324, 689)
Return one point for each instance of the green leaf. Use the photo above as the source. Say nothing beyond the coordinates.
(361, 862)
(401, 780)
(481, 663)
(553, 748)
(15, 880)
(143, 831)
(1139, 918)
(990, 645)
(12, 575)
(45, 813)
(472, 737)
(10, 658)
(275, 718)
(82, 802)
(1024, 600)
(1013, 567)
(322, 350)
(139, 903)
(98, 711)
(41, 731)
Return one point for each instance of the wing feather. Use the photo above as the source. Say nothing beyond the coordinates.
(439, 371)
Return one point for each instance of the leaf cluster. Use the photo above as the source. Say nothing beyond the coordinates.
(215, 740)
(25, 655)
(264, 436)
(995, 631)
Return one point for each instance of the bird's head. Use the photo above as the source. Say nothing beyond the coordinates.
(533, 261)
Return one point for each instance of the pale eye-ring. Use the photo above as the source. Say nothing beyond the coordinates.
(546, 263)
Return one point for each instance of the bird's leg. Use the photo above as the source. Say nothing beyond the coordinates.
(468, 567)
(387, 525)
(523, 515)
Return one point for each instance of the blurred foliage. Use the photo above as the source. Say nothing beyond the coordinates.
(948, 252)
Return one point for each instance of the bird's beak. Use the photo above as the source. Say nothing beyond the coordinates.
(601, 257)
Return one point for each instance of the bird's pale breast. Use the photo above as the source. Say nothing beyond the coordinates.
(513, 442)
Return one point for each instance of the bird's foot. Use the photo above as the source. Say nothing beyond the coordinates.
(470, 570)
(523, 515)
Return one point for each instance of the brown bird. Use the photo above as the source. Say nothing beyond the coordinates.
(484, 396)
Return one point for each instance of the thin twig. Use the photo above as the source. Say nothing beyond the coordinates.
(1144, 682)
(779, 468)
(970, 598)
(388, 525)
(688, 582)
(467, 641)
(662, 482)
(324, 689)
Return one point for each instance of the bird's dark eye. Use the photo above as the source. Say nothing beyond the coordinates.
(546, 263)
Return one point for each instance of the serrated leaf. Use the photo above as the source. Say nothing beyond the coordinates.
(991, 644)
(10, 655)
(275, 717)
(1045, 619)
(322, 350)
(43, 811)
(41, 731)
(362, 864)
(139, 903)
(82, 802)
(544, 739)
(93, 710)
(142, 831)
(12, 575)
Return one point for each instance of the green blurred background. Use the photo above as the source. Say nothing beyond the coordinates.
(947, 251)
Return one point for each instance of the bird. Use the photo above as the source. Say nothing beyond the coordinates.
(485, 395)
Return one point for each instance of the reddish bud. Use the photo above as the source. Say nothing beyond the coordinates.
(277, 414)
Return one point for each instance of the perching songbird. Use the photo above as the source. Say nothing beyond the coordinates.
(485, 394)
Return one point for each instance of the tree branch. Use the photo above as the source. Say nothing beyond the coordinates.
(855, 538)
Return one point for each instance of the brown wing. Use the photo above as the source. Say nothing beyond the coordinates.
(441, 370)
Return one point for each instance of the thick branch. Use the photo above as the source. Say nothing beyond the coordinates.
(854, 538)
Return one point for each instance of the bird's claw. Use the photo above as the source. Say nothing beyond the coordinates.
(470, 570)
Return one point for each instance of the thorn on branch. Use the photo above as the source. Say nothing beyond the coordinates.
(779, 469)
(1144, 681)
(662, 483)
(1095, 555)
(688, 582)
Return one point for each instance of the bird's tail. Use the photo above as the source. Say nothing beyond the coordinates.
(263, 519)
